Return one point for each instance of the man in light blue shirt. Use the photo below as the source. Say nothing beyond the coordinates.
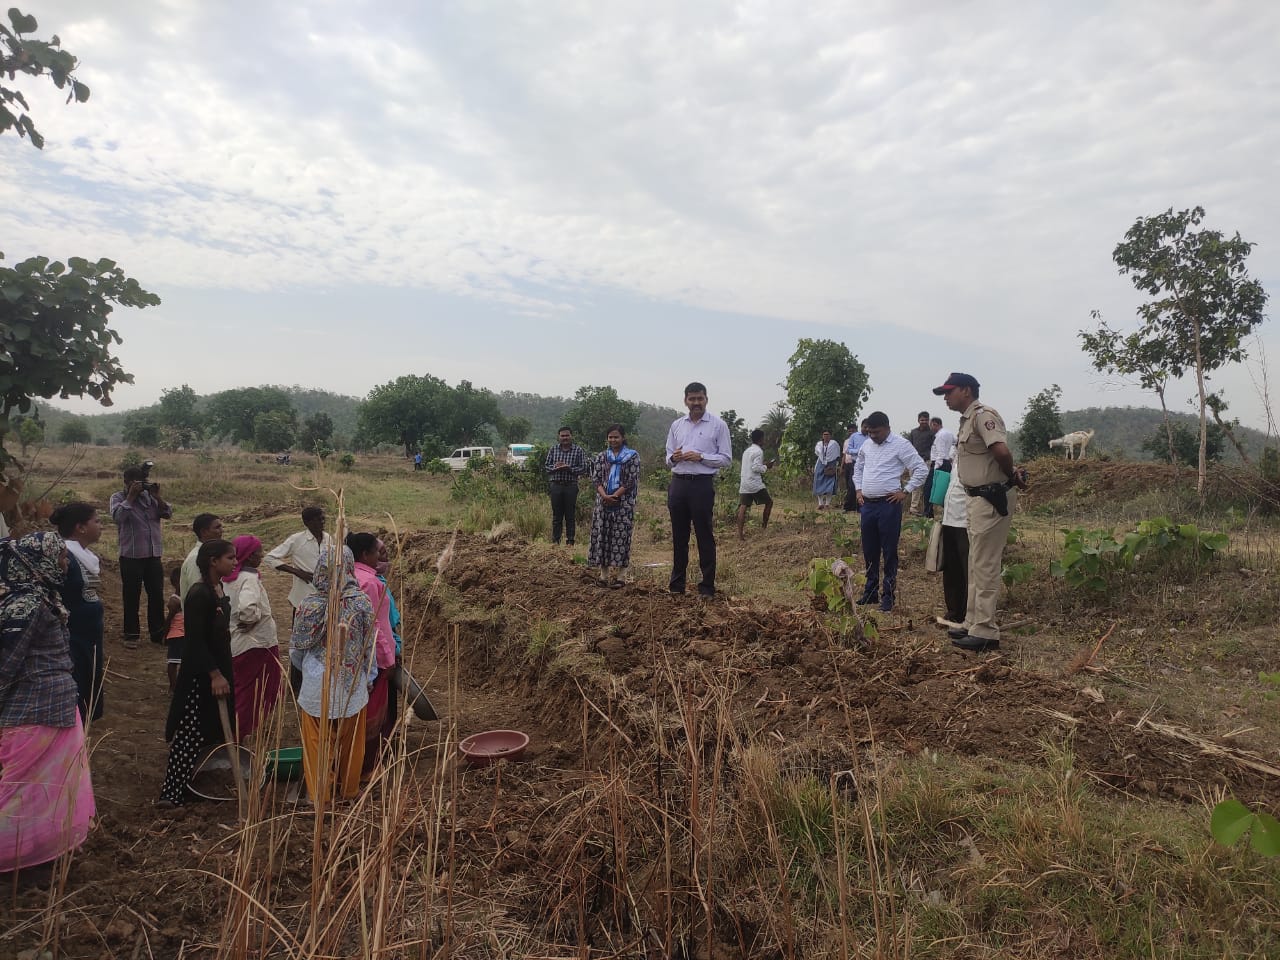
(698, 446)
(877, 479)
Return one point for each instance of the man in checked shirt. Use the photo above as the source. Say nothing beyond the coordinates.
(566, 462)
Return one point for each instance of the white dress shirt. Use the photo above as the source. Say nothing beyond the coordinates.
(878, 470)
(301, 550)
(709, 436)
(753, 469)
(955, 508)
(944, 447)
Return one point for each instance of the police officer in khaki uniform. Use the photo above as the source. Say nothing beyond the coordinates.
(984, 465)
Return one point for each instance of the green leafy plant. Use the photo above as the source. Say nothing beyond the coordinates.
(1231, 820)
(919, 528)
(1092, 559)
(436, 467)
(346, 462)
(826, 585)
(1015, 573)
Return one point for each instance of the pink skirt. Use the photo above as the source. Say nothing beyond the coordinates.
(257, 677)
(46, 797)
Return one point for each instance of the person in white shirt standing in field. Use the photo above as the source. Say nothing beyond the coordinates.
(751, 487)
(941, 455)
(877, 478)
(298, 555)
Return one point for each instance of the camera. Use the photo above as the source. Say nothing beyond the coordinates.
(147, 482)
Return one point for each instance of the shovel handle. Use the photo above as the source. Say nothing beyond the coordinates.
(233, 748)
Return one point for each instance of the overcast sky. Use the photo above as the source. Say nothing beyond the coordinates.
(534, 196)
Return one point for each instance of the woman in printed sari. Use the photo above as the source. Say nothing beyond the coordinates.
(46, 797)
(615, 473)
(79, 525)
(255, 648)
(335, 683)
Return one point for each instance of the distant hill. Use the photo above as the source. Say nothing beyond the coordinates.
(548, 413)
(344, 411)
(545, 413)
(1120, 431)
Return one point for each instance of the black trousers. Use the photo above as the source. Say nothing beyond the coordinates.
(955, 571)
(136, 573)
(850, 494)
(690, 501)
(564, 510)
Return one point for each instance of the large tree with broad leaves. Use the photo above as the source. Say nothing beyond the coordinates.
(55, 339)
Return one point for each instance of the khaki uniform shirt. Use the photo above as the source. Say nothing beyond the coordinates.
(980, 427)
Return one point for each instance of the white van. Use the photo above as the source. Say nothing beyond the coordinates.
(459, 459)
(518, 453)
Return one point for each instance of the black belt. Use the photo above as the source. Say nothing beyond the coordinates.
(875, 499)
(692, 476)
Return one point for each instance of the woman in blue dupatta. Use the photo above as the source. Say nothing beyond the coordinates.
(615, 474)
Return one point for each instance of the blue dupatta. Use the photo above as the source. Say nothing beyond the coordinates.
(614, 480)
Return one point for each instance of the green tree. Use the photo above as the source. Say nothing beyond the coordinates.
(1041, 423)
(315, 428)
(75, 430)
(594, 410)
(739, 435)
(775, 424)
(30, 433)
(141, 429)
(517, 429)
(826, 387)
(34, 58)
(468, 412)
(178, 410)
(1186, 445)
(274, 430)
(405, 410)
(54, 336)
(1133, 357)
(233, 413)
(1205, 302)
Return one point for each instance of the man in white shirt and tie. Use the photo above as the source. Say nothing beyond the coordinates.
(877, 479)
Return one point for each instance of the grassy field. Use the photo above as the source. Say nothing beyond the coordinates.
(726, 779)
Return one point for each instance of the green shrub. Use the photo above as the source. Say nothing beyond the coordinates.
(1093, 559)
(346, 462)
(436, 467)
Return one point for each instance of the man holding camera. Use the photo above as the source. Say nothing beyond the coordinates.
(137, 511)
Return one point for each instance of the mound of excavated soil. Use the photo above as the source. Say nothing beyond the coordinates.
(783, 674)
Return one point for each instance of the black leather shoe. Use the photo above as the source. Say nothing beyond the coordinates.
(866, 601)
(957, 633)
(976, 644)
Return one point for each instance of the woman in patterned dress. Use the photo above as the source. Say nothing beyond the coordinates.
(615, 473)
(205, 675)
(46, 798)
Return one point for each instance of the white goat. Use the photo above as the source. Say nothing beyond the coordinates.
(1079, 439)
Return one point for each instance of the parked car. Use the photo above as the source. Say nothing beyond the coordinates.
(459, 459)
(518, 453)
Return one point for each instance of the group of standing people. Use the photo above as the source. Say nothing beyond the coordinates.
(614, 475)
(226, 667)
(344, 651)
(697, 448)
